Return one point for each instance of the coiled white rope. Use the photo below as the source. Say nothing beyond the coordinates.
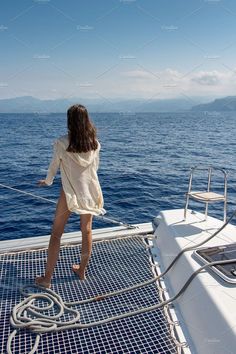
(21, 316)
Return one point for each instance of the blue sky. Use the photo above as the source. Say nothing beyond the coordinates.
(117, 48)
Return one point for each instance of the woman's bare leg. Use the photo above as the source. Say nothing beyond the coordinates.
(86, 229)
(61, 217)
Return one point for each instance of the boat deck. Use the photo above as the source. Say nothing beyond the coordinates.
(206, 309)
(117, 262)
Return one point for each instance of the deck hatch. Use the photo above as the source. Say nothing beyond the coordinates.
(220, 253)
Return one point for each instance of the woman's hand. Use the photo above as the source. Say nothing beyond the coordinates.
(42, 183)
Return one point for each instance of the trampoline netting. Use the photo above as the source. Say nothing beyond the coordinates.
(115, 264)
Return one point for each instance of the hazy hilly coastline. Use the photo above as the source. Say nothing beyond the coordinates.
(29, 104)
(225, 104)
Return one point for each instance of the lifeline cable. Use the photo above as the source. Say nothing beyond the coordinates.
(47, 323)
(132, 226)
(102, 217)
(153, 280)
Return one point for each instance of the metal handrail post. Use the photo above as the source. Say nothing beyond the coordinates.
(225, 195)
(208, 189)
(189, 190)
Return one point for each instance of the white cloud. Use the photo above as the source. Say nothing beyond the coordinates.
(171, 74)
(172, 83)
(210, 78)
(138, 74)
(136, 82)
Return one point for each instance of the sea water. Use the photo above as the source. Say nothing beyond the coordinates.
(144, 165)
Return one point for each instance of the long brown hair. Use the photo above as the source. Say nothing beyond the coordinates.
(81, 131)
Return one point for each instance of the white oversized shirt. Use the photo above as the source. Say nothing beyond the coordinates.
(79, 177)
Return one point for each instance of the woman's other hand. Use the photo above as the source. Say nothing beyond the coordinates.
(42, 183)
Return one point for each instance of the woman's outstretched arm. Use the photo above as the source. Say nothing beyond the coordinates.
(53, 167)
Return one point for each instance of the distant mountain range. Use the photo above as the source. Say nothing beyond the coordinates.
(218, 105)
(29, 104)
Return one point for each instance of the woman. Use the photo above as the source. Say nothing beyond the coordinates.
(77, 155)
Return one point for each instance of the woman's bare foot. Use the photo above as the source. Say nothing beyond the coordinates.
(41, 281)
(76, 269)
